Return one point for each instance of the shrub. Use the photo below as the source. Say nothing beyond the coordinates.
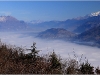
(86, 68)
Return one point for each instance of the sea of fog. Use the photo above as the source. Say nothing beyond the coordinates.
(62, 48)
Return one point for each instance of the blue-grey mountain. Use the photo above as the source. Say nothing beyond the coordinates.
(77, 25)
(56, 33)
(9, 23)
(92, 35)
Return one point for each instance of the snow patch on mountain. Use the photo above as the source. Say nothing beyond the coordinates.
(2, 18)
(36, 21)
(95, 13)
(7, 18)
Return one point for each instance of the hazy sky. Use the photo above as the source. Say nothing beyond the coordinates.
(48, 10)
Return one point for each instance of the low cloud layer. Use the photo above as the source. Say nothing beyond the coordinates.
(65, 49)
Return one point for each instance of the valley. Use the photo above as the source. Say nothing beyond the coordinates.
(62, 48)
(79, 34)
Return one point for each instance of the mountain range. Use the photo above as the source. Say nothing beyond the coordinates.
(90, 37)
(76, 25)
(86, 28)
(9, 23)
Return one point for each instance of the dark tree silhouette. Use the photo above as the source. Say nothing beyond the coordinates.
(34, 52)
(86, 68)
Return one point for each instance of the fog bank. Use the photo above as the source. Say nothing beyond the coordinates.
(65, 49)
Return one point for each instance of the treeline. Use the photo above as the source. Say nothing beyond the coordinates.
(13, 60)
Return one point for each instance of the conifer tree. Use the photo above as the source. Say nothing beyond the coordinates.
(34, 52)
(86, 68)
(55, 63)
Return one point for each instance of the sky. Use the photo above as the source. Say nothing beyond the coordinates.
(47, 10)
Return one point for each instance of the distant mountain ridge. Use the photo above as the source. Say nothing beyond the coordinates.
(9, 23)
(77, 25)
(56, 33)
(90, 35)
(95, 14)
(87, 27)
(7, 18)
(88, 24)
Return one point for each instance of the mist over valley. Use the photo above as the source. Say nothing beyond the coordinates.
(61, 47)
(80, 35)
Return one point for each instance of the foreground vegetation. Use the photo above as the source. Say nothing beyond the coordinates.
(13, 60)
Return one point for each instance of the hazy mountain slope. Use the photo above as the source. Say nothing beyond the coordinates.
(91, 35)
(9, 23)
(44, 25)
(78, 25)
(90, 23)
(70, 24)
(56, 33)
